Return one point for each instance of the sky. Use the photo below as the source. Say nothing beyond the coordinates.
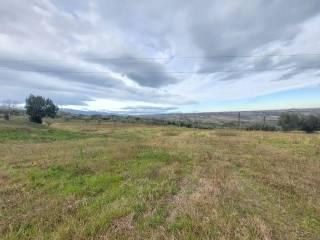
(141, 57)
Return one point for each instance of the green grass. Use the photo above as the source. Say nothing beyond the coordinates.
(79, 180)
(34, 133)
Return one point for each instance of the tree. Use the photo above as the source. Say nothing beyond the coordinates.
(38, 107)
(9, 105)
(6, 116)
(310, 124)
(289, 121)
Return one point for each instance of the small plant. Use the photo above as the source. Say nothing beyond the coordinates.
(48, 122)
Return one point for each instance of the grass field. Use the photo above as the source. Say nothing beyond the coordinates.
(84, 180)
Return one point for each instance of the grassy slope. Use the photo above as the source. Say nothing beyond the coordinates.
(112, 181)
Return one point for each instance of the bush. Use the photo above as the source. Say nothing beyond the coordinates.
(6, 116)
(310, 124)
(289, 121)
(261, 127)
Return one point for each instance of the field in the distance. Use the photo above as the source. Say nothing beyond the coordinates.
(84, 180)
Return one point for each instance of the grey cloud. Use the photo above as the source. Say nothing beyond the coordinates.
(248, 28)
(148, 109)
(76, 87)
(19, 93)
(146, 72)
(216, 28)
(73, 72)
(244, 28)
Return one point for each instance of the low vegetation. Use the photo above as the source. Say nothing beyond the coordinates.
(38, 108)
(308, 123)
(101, 180)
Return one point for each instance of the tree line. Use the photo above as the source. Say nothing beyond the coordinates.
(293, 121)
(38, 107)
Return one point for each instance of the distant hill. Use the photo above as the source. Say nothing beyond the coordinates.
(271, 116)
(245, 114)
(90, 113)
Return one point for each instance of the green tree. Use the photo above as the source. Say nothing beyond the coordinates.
(289, 121)
(310, 124)
(38, 107)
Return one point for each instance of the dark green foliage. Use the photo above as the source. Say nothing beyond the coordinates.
(261, 127)
(35, 133)
(50, 109)
(38, 107)
(6, 116)
(289, 121)
(310, 124)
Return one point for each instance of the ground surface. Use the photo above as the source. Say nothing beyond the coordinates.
(84, 180)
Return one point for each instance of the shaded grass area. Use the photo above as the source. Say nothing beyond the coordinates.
(34, 133)
(144, 182)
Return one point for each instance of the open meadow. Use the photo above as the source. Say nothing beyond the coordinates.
(96, 180)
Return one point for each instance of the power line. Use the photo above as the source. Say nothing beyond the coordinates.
(165, 72)
(166, 58)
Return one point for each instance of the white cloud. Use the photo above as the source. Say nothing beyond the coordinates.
(46, 46)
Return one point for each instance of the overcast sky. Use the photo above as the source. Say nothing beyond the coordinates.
(148, 56)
